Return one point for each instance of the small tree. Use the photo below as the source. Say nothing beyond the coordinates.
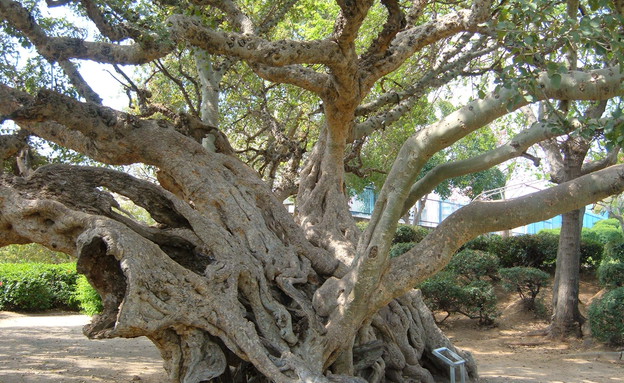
(526, 281)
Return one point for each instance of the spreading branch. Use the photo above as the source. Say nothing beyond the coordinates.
(64, 48)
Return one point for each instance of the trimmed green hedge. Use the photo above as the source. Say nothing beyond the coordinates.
(534, 250)
(40, 286)
(87, 297)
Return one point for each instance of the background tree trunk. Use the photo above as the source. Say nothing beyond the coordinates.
(567, 319)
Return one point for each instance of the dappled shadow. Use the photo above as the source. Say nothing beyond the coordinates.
(46, 354)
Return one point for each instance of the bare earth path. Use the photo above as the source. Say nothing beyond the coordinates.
(51, 349)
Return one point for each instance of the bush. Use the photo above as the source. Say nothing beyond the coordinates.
(480, 302)
(26, 295)
(421, 233)
(591, 253)
(604, 234)
(474, 264)
(614, 251)
(37, 286)
(409, 233)
(486, 242)
(87, 297)
(612, 222)
(401, 248)
(404, 234)
(526, 281)
(611, 274)
(606, 319)
(603, 231)
(611, 269)
(444, 292)
(538, 250)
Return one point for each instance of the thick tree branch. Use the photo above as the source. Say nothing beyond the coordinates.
(352, 15)
(490, 216)
(254, 49)
(115, 33)
(240, 20)
(373, 265)
(514, 148)
(394, 23)
(415, 11)
(406, 99)
(407, 42)
(81, 85)
(64, 48)
(297, 75)
(11, 144)
(610, 159)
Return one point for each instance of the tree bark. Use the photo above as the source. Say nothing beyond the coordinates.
(567, 319)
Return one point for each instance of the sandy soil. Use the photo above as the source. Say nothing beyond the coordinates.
(510, 352)
(50, 348)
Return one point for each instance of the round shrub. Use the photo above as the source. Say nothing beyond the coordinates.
(521, 250)
(480, 302)
(443, 292)
(404, 233)
(421, 233)
(474, 264)
(614, 251)
(611, 269)
(401, 248)
(526, 281)
(612, 222)
(544, 251)
(611, 273)
(606, 319)
(87, 297)
(606, 234)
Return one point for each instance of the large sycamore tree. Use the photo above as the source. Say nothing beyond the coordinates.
(227, 284)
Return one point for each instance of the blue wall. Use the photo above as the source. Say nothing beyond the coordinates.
(363, 204)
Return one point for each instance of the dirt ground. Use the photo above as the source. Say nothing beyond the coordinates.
(510, 352)
(50, 348)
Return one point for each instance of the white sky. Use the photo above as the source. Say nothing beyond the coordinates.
(104, 84)
(94, 73)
